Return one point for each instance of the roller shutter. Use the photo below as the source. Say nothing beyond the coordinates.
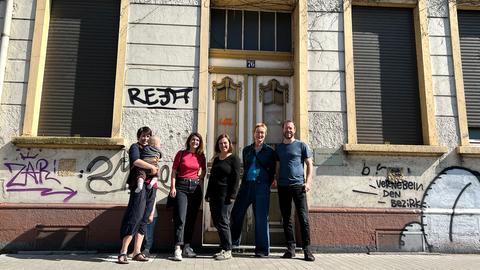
(79, 78)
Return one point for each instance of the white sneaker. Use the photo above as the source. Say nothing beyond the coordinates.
(226, 255)
(188, 252)
(218, 254)
(177, 256)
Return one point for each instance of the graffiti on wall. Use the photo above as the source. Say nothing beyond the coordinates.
(448, 206)
(34, 174)
(455, 193)
(390, 185)
(104, 174)
(158, 98)
(30, 172)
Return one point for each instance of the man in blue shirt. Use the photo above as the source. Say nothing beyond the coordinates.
(293, 185)
(259, 161)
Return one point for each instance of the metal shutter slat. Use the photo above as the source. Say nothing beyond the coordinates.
(469, 30)
(386, 83)
(79, 79)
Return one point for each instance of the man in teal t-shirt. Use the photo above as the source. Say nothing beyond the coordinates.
(293, 185)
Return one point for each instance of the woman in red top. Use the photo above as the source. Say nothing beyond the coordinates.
(188, 171)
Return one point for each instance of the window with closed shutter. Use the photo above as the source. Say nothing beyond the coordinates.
(79, 78)
(385, 74)
(469, 31)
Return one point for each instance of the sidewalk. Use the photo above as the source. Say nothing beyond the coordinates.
(244, 262)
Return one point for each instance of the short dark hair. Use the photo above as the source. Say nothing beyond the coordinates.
(286, 122)
(143, 130)
(200, 145)
(224, 135)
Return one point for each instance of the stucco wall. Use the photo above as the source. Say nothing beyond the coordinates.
(343, 180)
(160, 90)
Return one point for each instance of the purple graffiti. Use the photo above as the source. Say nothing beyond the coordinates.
(31, 177)
(48, 191)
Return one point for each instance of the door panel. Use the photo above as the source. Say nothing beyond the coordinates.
(236, 103)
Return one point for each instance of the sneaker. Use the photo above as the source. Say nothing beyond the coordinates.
(308, 256)
(226, 255)
(218, 254)
(188, 252)
(290, 253)
(177, 256)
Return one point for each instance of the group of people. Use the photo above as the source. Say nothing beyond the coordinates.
(228, 197)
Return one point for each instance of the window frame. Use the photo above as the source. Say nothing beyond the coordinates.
(466, 148)
(29, 137)
(430, 145)
(298, 56)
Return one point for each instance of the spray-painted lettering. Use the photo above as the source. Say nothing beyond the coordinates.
(33, 175)
(158, 98)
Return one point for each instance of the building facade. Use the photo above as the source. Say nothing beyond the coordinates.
(386, 93)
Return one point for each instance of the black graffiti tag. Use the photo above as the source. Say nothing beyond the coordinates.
(105, 175)
(158, 98)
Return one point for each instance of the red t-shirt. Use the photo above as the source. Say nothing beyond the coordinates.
(190, 164)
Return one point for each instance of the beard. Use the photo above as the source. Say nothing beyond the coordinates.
(287, 135)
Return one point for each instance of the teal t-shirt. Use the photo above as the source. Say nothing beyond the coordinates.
(253, 170)
(292, 157)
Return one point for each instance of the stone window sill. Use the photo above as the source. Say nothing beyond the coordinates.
(69, 142)
(395, 150)
(469, 151)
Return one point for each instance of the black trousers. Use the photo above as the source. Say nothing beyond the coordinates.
(185, 214)
(140, 205)
(296, 193)
(221, 219)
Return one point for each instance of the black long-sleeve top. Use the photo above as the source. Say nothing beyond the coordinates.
(224, 179)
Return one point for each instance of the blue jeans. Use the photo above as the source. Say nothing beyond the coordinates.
(287, 194)
(149, 234)
(256, 193)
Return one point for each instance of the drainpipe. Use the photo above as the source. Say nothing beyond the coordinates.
(4, 42)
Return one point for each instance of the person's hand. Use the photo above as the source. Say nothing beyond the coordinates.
(154, 170)
(150, 219)
(173, 192)
(306, 186)
(274, 184)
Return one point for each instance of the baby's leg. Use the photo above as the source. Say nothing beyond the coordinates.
(152, 182)
(140, 180)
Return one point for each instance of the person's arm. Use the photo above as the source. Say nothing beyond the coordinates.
(277, 173)
(203, 165)
(307, 153)
(176, 163)
(308, 179)
(234, 179)
(150, 217)
(134, 154)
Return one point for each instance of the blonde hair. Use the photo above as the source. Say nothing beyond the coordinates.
(260, 125)
(154, 140)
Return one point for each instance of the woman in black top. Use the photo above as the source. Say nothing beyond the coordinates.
(221, 192)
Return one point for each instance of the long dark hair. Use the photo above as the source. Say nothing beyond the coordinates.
(199, 150)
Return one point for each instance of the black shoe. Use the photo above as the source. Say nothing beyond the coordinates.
(308, 256)
(289, 254)
(146, 252)
(261, 255)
